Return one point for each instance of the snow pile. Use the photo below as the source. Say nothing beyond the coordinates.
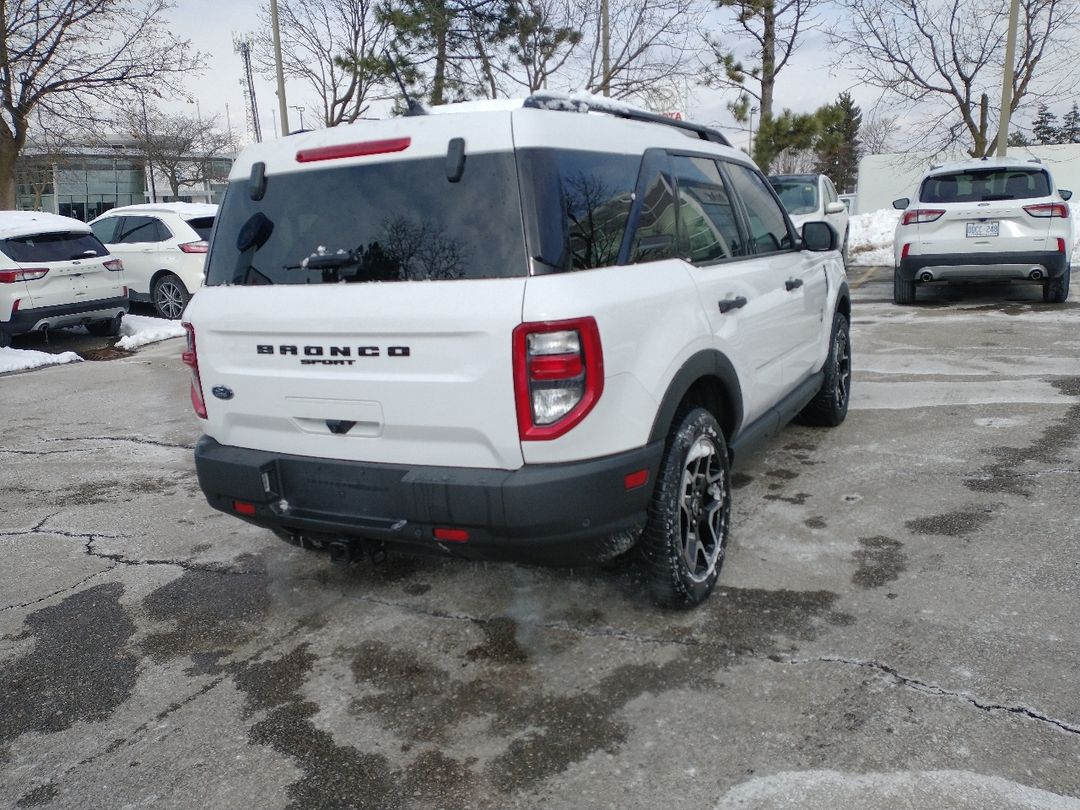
(870, 239)
(22, 359)
(138, 330)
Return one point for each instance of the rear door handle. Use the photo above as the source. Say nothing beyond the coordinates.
(793, 284)
(728, 304)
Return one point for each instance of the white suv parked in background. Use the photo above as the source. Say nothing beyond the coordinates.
(163, 246)
(579, 320)
(54, 272)
(996, 219)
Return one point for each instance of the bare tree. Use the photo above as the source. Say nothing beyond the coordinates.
(877, 134)
(48, 143)
(335, 47)
(794, 161)
(71, 58)
(944, 59)
(653, 50)
(185, 150)
(773, 28)
(544, 41)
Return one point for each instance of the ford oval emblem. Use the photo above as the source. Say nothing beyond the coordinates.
(222, 392)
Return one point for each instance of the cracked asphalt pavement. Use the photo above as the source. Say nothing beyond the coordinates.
(896, 625)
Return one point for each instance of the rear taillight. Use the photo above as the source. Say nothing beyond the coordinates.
(195, 247)
(905, 251)
(191, 360)
(921, 215)
(115, 265)
(558, 376)
(25, 274)
(1046, 210)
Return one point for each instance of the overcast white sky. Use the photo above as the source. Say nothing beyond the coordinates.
(804, 85)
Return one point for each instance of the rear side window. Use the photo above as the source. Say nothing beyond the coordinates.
(577, 205)
(395, 221)
(768, 225)
(53, 247)
(709, 222)
(202, 226)
(985, 186)
(656, 234)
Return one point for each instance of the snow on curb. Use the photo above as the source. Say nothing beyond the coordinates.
(139, 330)
(23, 359)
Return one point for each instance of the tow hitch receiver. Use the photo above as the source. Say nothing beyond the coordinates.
(347, 551)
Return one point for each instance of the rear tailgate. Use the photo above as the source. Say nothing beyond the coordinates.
(410, 373)
(987, 227)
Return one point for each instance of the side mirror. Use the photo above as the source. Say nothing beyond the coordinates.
(901, 204)
(819, 237)
(1065, 194)
(835, 208)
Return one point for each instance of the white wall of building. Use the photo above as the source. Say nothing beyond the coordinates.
(884, 178)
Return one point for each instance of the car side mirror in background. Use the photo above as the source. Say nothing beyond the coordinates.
(901, 204)
(835, 208)
(819, 236)
(1065, 194)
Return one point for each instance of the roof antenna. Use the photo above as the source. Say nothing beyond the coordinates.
(413, 106)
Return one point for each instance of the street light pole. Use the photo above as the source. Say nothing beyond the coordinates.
(301, 111)
(752, 111)
(605, 45)
(282, 106)
(1007, 80)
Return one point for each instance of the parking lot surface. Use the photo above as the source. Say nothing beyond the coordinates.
(896, 625)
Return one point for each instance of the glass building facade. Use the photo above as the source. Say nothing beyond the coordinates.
(86, 183)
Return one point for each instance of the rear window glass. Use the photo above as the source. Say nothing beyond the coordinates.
(799, 195)
(581, 203)
(52, 247)
(202, 226)
(985, 186)
(396, 221)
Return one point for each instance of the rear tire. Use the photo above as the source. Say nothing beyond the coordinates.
(829, 406)
(109, 328)
(170, 296)
(903, 290)
(683, 545)
(1056, 290)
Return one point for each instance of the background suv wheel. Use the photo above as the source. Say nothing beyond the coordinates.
(170, 296)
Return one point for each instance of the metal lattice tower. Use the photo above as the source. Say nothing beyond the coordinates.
(242, 45)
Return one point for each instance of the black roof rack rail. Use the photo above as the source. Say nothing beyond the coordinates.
(568, 103)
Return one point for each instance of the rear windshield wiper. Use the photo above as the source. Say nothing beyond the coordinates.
(329, 264)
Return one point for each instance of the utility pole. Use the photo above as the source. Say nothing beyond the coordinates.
(282, 106)
(1007, 79)
(605, 45)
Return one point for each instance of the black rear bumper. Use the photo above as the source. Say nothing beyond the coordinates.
(25, 320)
(562, 514)
(1054, 262)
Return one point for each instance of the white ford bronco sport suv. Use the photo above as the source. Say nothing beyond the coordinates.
(540, 332)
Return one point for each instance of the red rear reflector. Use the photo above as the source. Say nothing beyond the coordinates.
(15, 306)
(346, 150)
(636, 479)
(451, 535)
(904, 253)
(194, 247)
(1061, 245)
(243, 508)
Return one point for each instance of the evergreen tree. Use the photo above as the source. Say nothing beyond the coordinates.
(1070, 125)
(1045, 127)
(1018, 138)
(837, 147)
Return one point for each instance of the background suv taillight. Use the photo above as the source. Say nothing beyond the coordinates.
(191, 359)
(202, 246)
(558, 376)
(918, 215)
